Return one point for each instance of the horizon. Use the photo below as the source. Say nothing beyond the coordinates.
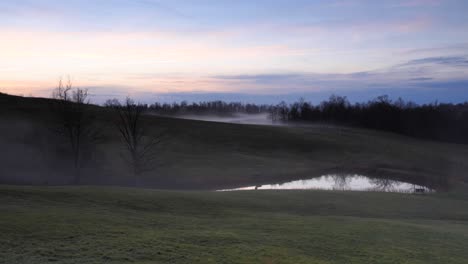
(234, 131)
(262, 52)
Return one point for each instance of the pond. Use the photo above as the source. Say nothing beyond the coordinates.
(342, 182)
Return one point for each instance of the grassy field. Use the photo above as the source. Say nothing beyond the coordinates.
(208, 155)
(117, 225)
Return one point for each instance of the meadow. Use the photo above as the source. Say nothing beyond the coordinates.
(123, 225)
(176, 217)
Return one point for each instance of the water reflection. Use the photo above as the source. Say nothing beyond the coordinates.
(342, 182)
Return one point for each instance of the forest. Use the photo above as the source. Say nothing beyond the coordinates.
(435, 121)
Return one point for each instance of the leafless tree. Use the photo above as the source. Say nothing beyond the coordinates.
(140, 145)
(384, 184)
(75, 123)
(341, 181)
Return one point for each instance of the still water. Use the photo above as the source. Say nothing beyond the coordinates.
(342, 182)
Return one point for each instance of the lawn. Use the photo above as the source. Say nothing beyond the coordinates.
(123, 225)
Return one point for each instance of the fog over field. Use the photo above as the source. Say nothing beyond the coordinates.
(263, 119)
(234, 132)
(237, 118)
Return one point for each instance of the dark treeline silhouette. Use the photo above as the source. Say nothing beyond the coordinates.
(436, 121)
(211, 107)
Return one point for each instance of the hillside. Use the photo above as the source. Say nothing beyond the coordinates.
(210, 155)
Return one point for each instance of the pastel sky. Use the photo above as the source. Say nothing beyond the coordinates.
(263, 50)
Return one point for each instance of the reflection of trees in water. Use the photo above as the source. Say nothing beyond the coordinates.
(341, 181)
(384, 185)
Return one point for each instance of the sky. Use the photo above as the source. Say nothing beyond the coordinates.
(253, 51)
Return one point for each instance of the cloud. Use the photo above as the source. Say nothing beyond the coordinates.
(261, 47)
(348, 27)
(422, 71)
(453, 48)
(364, 74)
(419, 3)
(457, 61)
(260, 77)
(419, 92)
(421, 79)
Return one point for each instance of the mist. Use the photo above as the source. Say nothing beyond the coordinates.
(236, 118)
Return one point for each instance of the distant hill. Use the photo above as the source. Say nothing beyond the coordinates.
(210, 155)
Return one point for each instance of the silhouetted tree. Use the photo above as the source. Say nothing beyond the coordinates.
(75, 122)
(341, 181)
(140, 145)
(384, 184)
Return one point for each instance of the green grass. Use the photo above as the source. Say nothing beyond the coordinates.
(116, 225)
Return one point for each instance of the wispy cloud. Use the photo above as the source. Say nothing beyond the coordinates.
(232, 46)
(421, 79)
(260, 77)
(459, 61)
(451, 48)
(417, 71)
(417, 91)
(419, 3)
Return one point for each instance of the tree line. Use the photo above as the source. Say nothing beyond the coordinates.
(211, 107)
(435, 121)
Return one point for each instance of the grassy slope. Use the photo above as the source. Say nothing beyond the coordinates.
(227, 153)
(112, 225)
(207, 155)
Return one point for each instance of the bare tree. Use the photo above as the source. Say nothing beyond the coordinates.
(384, 184)
(140, 145)
(341, 181)
(71, 108)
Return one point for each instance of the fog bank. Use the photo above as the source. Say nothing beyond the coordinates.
(247, 119)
